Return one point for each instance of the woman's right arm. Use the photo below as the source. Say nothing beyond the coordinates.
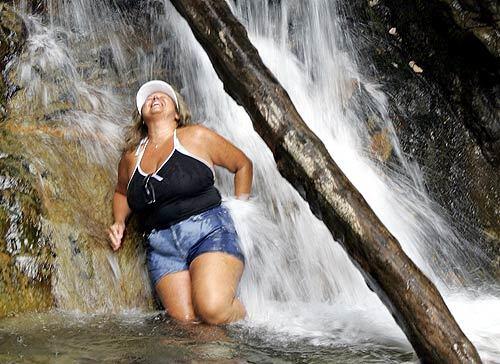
(121, 210)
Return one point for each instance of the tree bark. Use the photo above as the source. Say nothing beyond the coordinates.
(303, 160)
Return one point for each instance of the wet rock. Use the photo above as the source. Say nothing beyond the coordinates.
(447, 116)
(441, 37)
(12, 32)
(12, 37)
(107, 60)
(481, 18)
(69, 189)
(381, 145)
(25, 252)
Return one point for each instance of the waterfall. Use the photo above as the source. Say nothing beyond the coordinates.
(298, 284)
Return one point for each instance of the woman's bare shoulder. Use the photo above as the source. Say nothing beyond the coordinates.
(125, 168)
(195, 132)
(128, 156)
(194, 129)
(127, 163)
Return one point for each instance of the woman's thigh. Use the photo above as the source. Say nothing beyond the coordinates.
(174, 290)
(214, 278)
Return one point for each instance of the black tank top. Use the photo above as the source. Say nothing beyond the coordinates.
(183, 186)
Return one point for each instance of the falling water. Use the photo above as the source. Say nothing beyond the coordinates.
(299, 285)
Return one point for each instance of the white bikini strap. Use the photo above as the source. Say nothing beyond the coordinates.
(139, 152)
(141, 143)
(176, 141)
(178, 146)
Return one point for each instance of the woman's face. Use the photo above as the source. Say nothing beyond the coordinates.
(157, 104)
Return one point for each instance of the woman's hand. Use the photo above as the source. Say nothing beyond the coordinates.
(115, 232)
(121, 210)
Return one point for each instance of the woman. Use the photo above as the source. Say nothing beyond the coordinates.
(166, 176)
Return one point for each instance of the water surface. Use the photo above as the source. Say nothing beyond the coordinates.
(57, 337)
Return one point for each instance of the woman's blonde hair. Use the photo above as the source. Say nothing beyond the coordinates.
(139, 130)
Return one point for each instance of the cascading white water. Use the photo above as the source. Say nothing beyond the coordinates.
(298, 284)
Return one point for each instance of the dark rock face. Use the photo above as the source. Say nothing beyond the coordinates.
(463, 66)
(439, 64)
(479, 18)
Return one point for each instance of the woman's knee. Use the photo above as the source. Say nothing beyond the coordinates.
(174, 292)
(183, 317)
(213, 311)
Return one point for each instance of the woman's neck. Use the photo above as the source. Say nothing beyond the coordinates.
(161, 130)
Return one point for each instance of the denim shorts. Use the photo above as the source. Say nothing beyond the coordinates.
(173, 249)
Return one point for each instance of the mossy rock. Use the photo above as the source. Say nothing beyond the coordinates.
(12, 31)
(25, 253)
(13, 34)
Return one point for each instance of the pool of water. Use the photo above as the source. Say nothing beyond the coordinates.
(57, 337)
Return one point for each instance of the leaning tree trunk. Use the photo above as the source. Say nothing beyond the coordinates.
(303, 160)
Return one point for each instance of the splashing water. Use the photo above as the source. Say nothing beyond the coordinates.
(299, 285)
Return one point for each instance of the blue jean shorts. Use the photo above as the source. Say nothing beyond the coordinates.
(173, 249)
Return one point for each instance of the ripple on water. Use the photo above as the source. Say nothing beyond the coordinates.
(154, 338)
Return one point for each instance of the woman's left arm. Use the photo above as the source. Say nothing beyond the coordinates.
(223, 153)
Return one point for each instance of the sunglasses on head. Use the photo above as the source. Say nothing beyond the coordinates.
(149, 190)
